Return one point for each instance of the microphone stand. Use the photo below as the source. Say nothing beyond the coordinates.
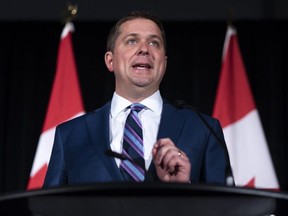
(180, 104)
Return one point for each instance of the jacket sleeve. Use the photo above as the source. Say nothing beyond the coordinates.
(56, 174)
(215, 161)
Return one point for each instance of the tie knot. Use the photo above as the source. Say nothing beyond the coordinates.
(137, 107)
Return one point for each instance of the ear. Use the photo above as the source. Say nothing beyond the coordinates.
(166, 58)
(109, 60)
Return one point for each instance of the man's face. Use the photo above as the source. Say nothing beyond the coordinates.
(138, 59)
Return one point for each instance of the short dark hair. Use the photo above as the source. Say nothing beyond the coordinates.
(115, 30)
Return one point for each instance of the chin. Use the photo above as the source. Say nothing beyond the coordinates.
(142, 82)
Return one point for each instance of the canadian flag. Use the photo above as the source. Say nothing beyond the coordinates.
(65, 103)
(235, 108)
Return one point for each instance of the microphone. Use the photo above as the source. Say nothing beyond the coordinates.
(180, 104)
(148, 175)
(114, 154)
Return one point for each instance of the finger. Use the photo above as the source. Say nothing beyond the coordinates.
(169, 154)
(158, 149)
(172, 167)
(164, 142)
(182, 155)
(174, 157)
(166, 151)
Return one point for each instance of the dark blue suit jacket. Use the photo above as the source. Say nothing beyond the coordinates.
(78, 155)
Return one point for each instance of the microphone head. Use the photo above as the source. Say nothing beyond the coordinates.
(180, 104)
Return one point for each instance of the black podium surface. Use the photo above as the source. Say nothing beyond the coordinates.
(139, 199)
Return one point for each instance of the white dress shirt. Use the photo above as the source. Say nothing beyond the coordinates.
(149, 116)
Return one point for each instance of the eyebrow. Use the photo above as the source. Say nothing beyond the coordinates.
(150, 36)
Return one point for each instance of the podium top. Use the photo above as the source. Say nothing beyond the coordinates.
(157, 199)
(146, 188)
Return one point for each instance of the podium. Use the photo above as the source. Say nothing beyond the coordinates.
(149, 199)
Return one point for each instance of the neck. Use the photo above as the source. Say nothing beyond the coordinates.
(135, 96)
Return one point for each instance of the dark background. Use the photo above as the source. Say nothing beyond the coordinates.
(29, 38)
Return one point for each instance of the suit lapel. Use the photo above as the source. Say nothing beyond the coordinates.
(98, 129)
(172, 123)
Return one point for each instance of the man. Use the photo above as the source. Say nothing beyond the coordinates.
(177, 145)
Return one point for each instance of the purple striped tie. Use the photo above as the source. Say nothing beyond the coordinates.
(133, 169)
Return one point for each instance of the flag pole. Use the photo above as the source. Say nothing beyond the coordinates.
(230, 17)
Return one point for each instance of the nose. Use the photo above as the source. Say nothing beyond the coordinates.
(143, 49)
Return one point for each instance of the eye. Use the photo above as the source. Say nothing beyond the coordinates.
(131, 41)
(154, 43)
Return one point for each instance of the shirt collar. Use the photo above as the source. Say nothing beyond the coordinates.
(153, 102)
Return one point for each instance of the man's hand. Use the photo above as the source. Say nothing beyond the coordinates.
(172, 164)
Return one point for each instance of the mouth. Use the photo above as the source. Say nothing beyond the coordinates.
(141, 66)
